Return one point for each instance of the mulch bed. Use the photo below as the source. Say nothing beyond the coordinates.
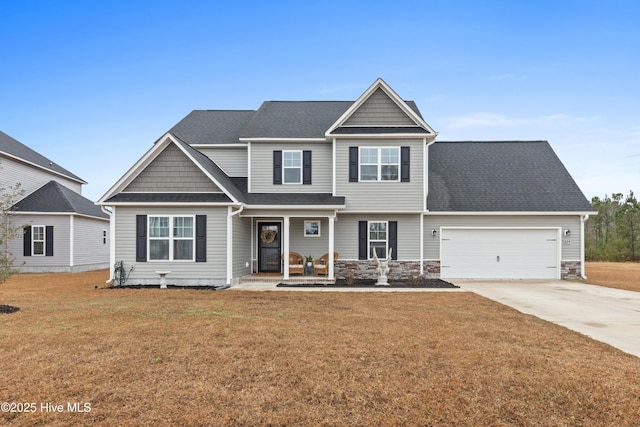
(370, 283)
(8, 309)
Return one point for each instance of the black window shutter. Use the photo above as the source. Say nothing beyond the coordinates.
(353, 164)
(404, 164)
(306, 167)
(277, 167)
(27, 241)
(48, 246)
(201, 238)
(362, 240)
(141, 238)
(393, 239)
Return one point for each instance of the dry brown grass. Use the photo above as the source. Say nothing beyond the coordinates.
(187, 357)
(620, 275)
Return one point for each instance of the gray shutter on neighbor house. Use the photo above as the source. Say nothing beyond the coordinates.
(141, 238)
(26, 241)
(306, 167)
(201, 238)
(48, 240)
(393, 239)
(353, 164)
(404, 164)
(277, 167)
(362, 240)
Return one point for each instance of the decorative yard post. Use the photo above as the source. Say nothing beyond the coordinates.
(383, 268)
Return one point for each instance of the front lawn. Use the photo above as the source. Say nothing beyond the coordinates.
(189, 357)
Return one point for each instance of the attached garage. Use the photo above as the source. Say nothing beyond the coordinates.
(500, 253)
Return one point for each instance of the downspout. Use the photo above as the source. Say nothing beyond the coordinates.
(112, 242)
(583, 219)
(230, 216)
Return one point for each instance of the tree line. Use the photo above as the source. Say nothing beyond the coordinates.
(613, 234)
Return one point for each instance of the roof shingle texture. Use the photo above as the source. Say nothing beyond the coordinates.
(17, 149)
(508, 176)
(54, 197)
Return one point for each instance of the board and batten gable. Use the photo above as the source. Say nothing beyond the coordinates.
(232, 160)
(570, 245)
(261, 167)
(30, 177)
(381, 196)
(211, 272)
(171, 171)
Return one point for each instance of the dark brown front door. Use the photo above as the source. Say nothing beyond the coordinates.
(269, 247)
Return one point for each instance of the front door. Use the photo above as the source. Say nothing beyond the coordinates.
(269, 248)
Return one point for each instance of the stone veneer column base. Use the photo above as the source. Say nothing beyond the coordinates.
(402, 270)
(570, 270)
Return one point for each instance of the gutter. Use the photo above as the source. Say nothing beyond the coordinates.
(112, 241)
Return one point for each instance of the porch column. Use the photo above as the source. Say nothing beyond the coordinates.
(285, 246)
(330, 273)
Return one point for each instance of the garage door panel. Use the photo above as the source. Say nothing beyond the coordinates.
(499, 253)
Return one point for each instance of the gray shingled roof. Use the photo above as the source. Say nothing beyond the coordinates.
(17, 149)
(212, 126)
(294, 199)
(298, 119)
(508, 176)
(54, 197)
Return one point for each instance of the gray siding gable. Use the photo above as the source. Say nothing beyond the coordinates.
(379, 110)
(505, 176)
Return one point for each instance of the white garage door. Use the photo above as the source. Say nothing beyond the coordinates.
(501, 253)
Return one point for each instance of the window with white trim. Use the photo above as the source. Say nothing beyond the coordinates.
(292, 167)
(378, 238)
(37, 240)
(171, 238)
(379, 163)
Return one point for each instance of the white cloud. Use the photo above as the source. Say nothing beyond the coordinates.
(487, 119)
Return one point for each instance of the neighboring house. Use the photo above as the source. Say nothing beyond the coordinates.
(63, 231)
(224, 194)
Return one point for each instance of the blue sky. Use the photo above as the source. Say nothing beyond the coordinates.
(92, 85)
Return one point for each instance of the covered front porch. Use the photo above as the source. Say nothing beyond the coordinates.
(295, 246)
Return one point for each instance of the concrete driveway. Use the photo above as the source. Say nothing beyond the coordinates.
(608, 315)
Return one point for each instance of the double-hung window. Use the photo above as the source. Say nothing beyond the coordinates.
(292, 167)
(379, 163)
(37, 236)
(171, 238)
(378, 238)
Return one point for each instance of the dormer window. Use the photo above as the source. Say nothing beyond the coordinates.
(379, 163)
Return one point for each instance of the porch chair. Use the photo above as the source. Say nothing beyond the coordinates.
(321, 265)
(296, 263)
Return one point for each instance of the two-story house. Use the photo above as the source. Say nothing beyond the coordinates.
(63, 230)
(226, 194)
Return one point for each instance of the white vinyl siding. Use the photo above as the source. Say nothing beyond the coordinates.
(30, 177)
(261, 174)
(60, 261)
(381, 196)
(88, 248)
